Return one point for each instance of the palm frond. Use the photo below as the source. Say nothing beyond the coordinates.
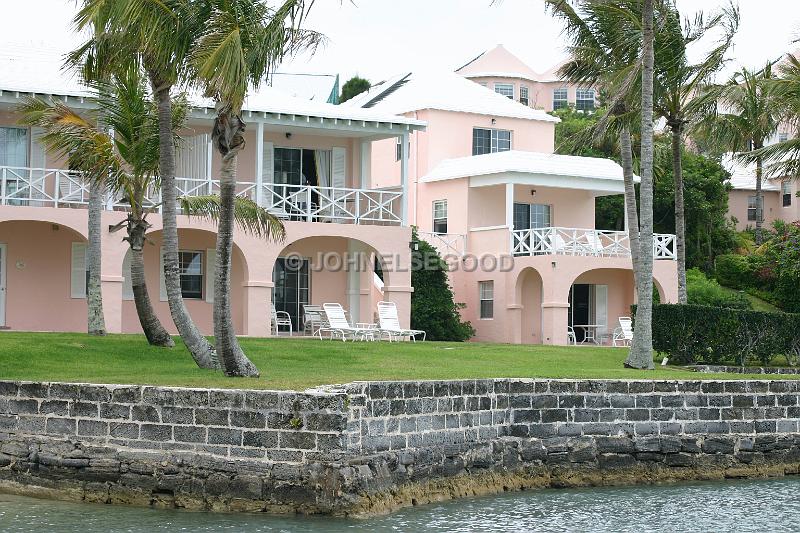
(248, 215)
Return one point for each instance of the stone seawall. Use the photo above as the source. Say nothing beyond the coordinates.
(371, 447)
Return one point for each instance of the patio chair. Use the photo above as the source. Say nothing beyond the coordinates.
(339, 326)
(390, 324)
(624, 333)
(281, 319)
(593, 245)
(571, 338)
(313, 319)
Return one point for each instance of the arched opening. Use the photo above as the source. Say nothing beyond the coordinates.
(597, 299)
(317, 270)
(528, 293)
(42, 276)
(197, 260)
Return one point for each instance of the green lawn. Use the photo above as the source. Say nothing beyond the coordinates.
(301, 363)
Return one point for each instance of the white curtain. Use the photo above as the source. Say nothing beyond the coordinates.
(322, 158)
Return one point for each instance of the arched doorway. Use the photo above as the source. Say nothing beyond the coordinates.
(317, 270)
(42, 276)
(528, 292)
(597, 298)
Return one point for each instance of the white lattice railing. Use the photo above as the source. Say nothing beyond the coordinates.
(63, 188)
(446, 243)
(584, 242)
(333, 204)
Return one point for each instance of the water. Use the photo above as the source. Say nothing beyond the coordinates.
(742, 506)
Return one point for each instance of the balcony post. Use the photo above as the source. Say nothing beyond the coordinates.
(366, 156)
(308, 203)
(404, 177)
(57, 184)
(510, 215)
(259, 163)
(3, 186)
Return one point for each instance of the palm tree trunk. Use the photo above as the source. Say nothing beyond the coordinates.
(202, 351)
(759, 201)
(626, 156)
(234, 361)
(94, 298)
(641, 354)
(153, 330)
(680, 214)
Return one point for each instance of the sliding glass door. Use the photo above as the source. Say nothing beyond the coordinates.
(292, 288)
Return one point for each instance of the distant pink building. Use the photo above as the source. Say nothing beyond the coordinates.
(307, 162)
(486, 188)
(779, 199)
(504, 73)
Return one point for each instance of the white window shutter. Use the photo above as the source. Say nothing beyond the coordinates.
(127, 282)
(78, 272)
(268, 163)
(211, 258)
(338, 166)
(162, 284)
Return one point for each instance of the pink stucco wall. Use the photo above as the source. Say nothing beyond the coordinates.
(737, 207)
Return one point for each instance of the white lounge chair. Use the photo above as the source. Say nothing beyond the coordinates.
(390, 324)
(313, 319)
(624, 333)
(339, 326)
(281, 319)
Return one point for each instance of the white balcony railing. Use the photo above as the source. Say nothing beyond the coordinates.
(446, 243)
(62, 188)
(584, 242)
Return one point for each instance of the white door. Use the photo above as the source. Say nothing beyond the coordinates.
(2, 285)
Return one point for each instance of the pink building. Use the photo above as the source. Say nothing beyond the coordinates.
(503, 72)
(779, 197)
(308, 162)
(516, 220)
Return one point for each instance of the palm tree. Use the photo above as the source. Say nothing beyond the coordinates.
(641, 354)
(158, 33)
(677, 82)
(125, 163)
(240, 44)
(740, 116)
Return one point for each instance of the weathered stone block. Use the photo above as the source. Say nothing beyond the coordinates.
(94, 393)
(189, 433)
(92, 428)
(8, 388)
(226, 436)
(156, 432)
(23, 407)
(123, 430)
(62, 426)
(211, 417)
(54, 407)
(126, 394)
(248, 419)
(84, 409)
(33, 390)
(555, 415)
(145, 413)
(115, 411)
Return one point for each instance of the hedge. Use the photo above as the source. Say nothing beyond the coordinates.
(697, 333)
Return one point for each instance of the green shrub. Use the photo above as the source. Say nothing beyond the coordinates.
(696, 333)
(432, 307)
(734, 271)
(703, 291)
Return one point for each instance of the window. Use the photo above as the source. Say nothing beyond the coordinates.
(786, 193)
(783, 137)
(486, 293)
(523, 95)
(584, 99)
(531, 216)
(559, 98)
(191, 269)
(13, 147)
(506, 89)
(752, 210)
(440, 216)
(485, 141)
(398, 149)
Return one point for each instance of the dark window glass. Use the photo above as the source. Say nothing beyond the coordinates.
(191, 271)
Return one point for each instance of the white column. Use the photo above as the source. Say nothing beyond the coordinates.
(404, 176)
(510, 214)
(259, 162)
(366, 156)
(354, 280)
(210, 163)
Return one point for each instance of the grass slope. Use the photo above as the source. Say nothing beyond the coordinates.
(301, 363)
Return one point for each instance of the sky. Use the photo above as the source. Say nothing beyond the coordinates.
(379, 38)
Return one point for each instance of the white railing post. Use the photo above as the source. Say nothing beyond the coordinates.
(3, 186)
(357, 212)
(57, 183)
(308, 203)
(259, 163)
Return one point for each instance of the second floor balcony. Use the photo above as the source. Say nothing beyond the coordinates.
(584, 242)
(22, 186)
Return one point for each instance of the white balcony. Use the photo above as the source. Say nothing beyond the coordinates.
(445, 243)
(62, 188)
(584, 242)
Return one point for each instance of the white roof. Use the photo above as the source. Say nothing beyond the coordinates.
(317, 87)
(444, 91)
(35, 69)
(743, 176)
(514, 161)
